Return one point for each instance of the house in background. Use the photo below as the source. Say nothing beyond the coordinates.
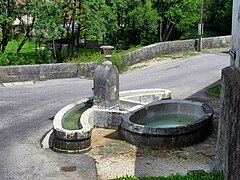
(25, 19)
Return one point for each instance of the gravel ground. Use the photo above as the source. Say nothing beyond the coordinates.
(115, 157)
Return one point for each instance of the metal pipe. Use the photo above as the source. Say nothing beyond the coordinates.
(201, 28)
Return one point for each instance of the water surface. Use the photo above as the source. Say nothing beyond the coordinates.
(168, 120)
(71, 118)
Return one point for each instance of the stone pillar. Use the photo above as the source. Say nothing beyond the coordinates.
(228, 143)
(106, 83)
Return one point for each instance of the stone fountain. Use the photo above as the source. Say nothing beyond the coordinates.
(109, 108)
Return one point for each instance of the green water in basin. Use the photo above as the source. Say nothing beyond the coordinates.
(71, 118)
(168, 120)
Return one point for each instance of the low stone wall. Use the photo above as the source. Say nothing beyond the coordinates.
(46, 71)
(55, 71)
(154, 50)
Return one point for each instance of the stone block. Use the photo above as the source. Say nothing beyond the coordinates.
(55, 71)
(86, 69)
(23, 73)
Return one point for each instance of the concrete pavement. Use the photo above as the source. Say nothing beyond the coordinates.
(26, 113)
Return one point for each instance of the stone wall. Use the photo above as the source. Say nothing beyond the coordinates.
(55, 71)
(46, 71)
(155, 50)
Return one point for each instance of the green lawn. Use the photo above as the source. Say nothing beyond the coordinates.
(27, 55)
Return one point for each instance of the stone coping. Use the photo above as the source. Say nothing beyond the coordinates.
(144, 96)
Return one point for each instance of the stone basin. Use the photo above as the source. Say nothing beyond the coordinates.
(69, 138)
(167, 124)
(73, 124)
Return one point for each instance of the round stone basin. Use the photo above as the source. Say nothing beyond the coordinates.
(167, 124)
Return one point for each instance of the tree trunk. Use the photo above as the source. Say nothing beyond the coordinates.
(169, 32)
(5, 37)
(54, 49)
(59, 53)
(73, 28)
(72, 39)
(26, 36)
(79, 27)
(160, 30)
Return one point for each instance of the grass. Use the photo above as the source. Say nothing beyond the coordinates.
(216, 90)
(198, 175)
(28, 54)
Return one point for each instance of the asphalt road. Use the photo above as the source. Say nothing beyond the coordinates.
(26, 113)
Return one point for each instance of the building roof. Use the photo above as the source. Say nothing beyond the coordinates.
(20, 2)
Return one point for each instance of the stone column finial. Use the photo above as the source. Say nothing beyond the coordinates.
(107, 50)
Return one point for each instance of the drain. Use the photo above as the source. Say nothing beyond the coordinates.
(68, 168)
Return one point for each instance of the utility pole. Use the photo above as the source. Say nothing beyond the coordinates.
(201, 28)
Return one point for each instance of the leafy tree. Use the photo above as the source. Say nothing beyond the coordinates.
(48, 22)
(111, 23)
(94, 12)
(16, 10)
(217, 18)
(135, 21)
(8, 13)
(27, 20)
(142, 24)
(176, 17)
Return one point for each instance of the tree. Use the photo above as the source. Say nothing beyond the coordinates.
(26, 16)
(94, 12)
(20, 11)
(8, 13)
(142, 24)
(176, 17)
(135, 21)
(48, 25)
(219, 19)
